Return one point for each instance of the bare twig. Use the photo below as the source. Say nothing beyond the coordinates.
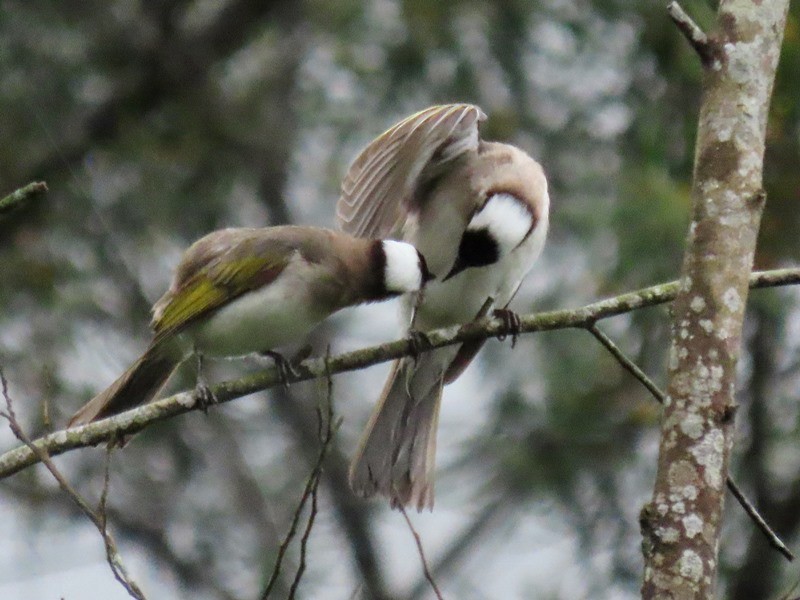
(497, 511)
(282, 549)
(421, 552)
(19, 197)
(660, 396)
(301, 567)
(754, 515)
(98, 518)
(138, 418)
(326, 429)
(691, 31)
(101, 508)
(627, 363)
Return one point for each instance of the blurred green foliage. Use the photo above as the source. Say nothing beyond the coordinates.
(155, 122)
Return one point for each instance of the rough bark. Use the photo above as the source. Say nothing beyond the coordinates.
(681, 524)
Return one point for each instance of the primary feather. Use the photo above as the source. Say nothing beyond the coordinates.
(380, 184)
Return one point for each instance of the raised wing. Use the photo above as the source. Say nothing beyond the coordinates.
(378, 189)
(218, 277)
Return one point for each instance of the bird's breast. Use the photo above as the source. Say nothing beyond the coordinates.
(459, 299)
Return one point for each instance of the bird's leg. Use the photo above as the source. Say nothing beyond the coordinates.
(118, 440)
(418, 339)
(284, 366)
(302, 354)
(420, 342)
(419, 298)
(202, 392)
(511, 322)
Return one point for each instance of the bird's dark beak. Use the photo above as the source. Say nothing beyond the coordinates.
(426, 274)
(457, 268)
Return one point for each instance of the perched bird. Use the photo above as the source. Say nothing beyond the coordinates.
(241, 291)
(478, 211)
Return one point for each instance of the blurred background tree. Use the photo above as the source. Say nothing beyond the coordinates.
(155, 122)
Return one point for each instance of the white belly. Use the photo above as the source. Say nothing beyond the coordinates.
(459, 299)
(270, 317)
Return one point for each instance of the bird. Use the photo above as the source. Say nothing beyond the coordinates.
(240, 291)
(479, 212)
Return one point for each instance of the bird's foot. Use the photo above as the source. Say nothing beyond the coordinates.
(511, 323)
(117, 440)
(302, 354)
(204, 396)
(285, 369)
(420, 342)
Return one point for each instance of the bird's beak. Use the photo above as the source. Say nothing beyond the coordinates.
(457, 268)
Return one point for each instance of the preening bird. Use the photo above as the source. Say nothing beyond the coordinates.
(242, 291)
(478, 212)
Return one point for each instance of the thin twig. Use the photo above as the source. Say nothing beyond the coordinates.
(660, 396)
(326, 428)
(691, 31)
(101, 507)
(276, 570)
(98, 519)
(421, 552)
(462, 544)
(138, 418)
(627, 363)
(46, 422)
(790, 592)
(753, 513)
(301, 567)
(19, 197)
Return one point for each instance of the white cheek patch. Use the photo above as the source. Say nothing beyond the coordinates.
(402, 271)
(506, 219)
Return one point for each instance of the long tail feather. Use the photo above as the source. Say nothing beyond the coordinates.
(396, 456)
(139, 384)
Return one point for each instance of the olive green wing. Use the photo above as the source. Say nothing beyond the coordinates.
(235, 271)
(381, 182)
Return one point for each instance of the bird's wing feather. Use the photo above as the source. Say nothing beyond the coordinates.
(231, 273)
(379, 186)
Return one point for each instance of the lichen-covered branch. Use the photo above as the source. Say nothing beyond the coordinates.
(681, 524)
(691, 31)
(19, 197)
(134, 420)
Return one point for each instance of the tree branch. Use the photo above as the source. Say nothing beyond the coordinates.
(348, 508)
(326, 428)
(691, 31)
(682, 522)
(661, 398)
(97, 517)
(19, 197)
(421, 552)
(135, 420)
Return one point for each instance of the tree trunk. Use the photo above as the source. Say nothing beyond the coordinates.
(681, 524)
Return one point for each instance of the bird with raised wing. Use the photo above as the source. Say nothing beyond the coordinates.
(246, 290)
(478, 212)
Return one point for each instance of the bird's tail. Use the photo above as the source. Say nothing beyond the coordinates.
(139, 384)
(396, 456)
